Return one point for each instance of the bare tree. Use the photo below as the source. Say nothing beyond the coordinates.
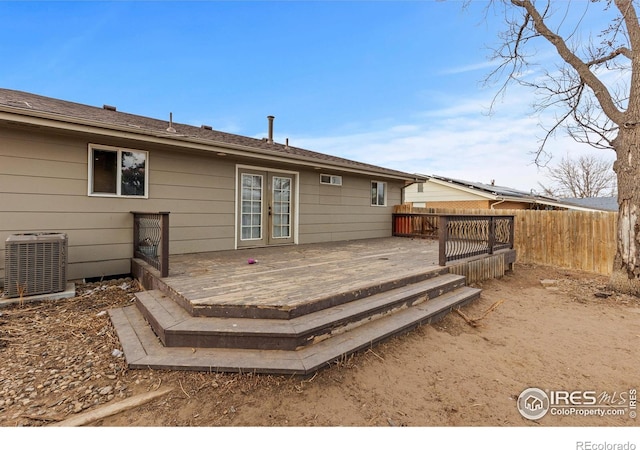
(594, 90)
(584, 177)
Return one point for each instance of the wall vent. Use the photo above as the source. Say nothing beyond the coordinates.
(35, 263)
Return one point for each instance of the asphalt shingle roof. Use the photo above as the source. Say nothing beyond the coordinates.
(603, 203)
(31, 104)
(502, 191)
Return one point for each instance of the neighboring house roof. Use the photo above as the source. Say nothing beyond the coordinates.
(498, 193)
(602, 203)
(23, 107)
(492, 190)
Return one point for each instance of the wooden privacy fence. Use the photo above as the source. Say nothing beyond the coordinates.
(578, 240)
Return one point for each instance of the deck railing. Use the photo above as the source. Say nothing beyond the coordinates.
(151, 239)
(459, 236)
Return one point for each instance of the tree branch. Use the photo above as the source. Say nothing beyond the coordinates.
(619, 51)
(599, 89)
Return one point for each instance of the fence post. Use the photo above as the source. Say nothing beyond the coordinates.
(492, 234)
(136, 232)
(512, 231)
(164, 233)
(442, 240)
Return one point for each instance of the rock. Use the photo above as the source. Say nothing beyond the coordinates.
(106, 390)
(117, 353)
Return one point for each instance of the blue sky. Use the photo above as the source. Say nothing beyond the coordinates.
(396, 84)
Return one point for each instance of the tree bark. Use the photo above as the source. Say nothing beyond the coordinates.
(626, 267)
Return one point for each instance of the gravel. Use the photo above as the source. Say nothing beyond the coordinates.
(63, 356)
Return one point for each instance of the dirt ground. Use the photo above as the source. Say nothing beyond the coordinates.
(536, 327)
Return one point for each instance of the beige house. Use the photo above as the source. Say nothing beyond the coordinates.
(441, 192)
(81, 170)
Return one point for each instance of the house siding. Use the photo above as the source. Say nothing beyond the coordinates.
(336, 213)
(435, 195)
(43, 188)
(511, 205)
(433, 192)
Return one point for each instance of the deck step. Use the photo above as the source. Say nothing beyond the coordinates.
(177, 328)
(143, 348)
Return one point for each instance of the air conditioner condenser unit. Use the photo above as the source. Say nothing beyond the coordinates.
(35, 263)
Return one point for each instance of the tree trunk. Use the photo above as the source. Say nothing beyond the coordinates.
(626, 267)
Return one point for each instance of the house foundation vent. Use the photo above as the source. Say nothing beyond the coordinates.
(35, 263)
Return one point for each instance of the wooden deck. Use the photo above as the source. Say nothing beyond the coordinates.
(294, 311)
(290, 281)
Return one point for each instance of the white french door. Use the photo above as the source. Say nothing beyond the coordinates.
(266, 206)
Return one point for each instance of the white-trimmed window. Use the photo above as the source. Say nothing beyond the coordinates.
(378, 193)
(118, 172)
(334, 180)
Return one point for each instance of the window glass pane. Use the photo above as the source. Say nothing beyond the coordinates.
(105, 171)
(133, 173)
(378, 193)
(257, 182)
(381, 187)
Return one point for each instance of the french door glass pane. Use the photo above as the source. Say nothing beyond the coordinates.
(281, 227)
(251, 222)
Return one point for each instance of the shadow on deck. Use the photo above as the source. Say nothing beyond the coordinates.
(296, 310)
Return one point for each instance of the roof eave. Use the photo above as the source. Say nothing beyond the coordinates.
(568, 206)
(56, 121)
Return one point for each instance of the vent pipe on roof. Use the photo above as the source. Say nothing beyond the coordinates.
(109, 107)
(270, 138)
(286, 145)
(171, 129)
